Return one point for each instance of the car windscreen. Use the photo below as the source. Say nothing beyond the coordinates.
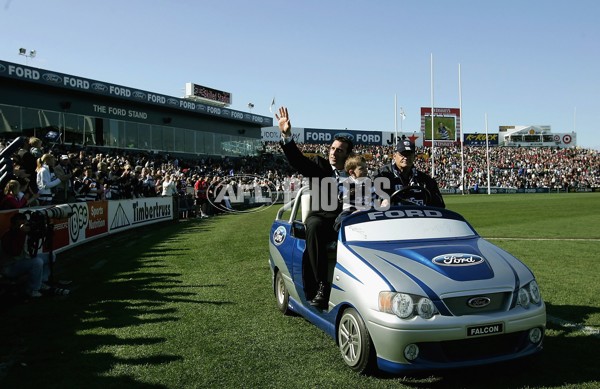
(406, 225)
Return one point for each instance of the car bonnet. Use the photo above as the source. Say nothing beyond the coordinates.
(445, 266)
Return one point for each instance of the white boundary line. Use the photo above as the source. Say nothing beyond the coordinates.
(556, 320)
(549, 239)
(575, 326)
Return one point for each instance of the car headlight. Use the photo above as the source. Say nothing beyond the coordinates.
(425, 308)
(406, 305)
(523, 298)
(529, 294)
(534, 292)
(402, 305)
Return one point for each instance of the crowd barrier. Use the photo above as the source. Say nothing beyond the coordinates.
(498, 190)
(285, 196)
(96, 219)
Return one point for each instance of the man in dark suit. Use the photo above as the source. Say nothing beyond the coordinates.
(319, 223)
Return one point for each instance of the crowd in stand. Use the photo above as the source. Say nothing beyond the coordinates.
(51, 174)
(510, 167)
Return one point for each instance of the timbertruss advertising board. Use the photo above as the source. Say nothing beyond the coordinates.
(94, 219)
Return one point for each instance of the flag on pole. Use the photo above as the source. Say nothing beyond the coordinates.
(272, 105)
(402, 115)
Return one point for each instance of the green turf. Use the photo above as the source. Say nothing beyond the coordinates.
(190, 305)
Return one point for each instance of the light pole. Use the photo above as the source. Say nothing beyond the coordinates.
(23, 52)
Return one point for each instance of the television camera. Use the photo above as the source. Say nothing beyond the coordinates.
(41, 228)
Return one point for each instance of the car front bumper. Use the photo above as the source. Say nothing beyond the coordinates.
(443, 341)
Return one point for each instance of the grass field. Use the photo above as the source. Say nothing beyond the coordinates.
(190, 305)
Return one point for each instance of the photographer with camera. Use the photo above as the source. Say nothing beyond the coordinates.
(15, 260)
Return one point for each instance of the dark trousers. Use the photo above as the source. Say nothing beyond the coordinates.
(319, 232)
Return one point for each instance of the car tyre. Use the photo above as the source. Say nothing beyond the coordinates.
(355, 342)
(281, 294)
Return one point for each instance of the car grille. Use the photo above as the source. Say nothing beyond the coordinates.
(459, 306)
(472, 349)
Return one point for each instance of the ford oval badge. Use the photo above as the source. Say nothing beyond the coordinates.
(479, 302)
(457, 259)
(279, 235)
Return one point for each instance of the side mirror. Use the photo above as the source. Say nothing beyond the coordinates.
(298, 230)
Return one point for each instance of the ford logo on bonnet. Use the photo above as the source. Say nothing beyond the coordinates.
(457, 260)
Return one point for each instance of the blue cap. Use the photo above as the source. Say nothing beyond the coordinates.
(405, 145)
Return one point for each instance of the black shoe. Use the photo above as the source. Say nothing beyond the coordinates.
(320, 300)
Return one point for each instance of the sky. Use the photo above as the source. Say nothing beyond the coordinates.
(335, 63)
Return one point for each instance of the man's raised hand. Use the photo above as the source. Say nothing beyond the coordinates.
(285, 125)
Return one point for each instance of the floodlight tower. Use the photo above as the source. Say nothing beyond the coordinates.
(23, 52)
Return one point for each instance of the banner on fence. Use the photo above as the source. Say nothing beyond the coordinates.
(93, 219)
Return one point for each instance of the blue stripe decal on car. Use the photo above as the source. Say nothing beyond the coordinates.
(334, 286)
(430, 293)
(513, 303)
(369, 265)
(344, 270)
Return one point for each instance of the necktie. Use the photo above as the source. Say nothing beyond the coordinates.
(340, 175)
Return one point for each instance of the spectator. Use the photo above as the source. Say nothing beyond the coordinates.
(79, 189)
(148, 184)
(90, 185)
(63, 192)
(35, 145)
(113, 181)
(23, 178)
(28, 162)
(13, 197)
(168, 186)
(127, 182)
(201, 197)
(46, 180)
(137, 183)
